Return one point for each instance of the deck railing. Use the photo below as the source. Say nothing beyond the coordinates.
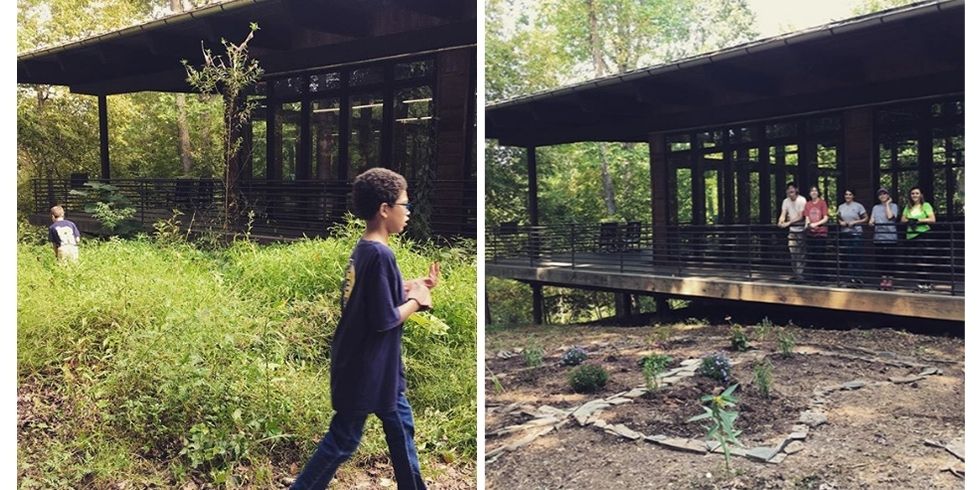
(283, 207)
(932, 262)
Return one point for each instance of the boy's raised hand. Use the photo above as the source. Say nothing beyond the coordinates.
(432, 280)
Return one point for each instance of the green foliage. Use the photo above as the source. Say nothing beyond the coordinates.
(738, 338)
(653, 366)
(109, 206)
(786, 342)
(224, 376)
(763, 330)
(533, 355)
(722, 430)
(574, 356)
(762, 373)
(588, 378)
(716, 367)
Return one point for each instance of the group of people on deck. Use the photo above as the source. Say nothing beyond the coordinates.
(807, 224)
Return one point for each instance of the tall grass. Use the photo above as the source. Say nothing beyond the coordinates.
(156, 363)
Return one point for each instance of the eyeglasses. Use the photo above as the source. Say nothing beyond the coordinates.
(408, 205)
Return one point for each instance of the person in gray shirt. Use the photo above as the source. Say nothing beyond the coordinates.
(850, 216)
(884, 215)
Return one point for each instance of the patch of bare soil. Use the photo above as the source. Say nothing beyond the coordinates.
(873, 438)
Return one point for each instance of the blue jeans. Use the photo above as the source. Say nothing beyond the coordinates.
(344, 436)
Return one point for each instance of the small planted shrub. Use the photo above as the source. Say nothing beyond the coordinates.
(762, 372)
(588, 378)
(740, 341)
(653, 366)
(716, 409)
(786, 342)
(763, 330)
(716, 367)
(574, 356)
(533, 355)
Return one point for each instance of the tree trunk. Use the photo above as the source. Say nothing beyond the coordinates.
(596, 44)
(183, 134)
(599, 64)
(607, 185)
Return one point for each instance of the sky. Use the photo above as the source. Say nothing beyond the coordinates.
(778, 16)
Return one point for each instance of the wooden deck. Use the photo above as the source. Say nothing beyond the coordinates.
(635, 272)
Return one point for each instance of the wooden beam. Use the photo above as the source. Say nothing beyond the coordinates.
(537, 304)
(935, 306)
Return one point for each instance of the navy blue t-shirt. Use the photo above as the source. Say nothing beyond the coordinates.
(63, 232)
(366, 372)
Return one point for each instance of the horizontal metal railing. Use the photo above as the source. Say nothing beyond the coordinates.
(932, 262)
(283, 207)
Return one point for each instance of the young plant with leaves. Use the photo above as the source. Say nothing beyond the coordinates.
(231, 75)
(762, 371)
(653, 366)
(717, 409)
(740, 341)
(533, 355)
(786, 341)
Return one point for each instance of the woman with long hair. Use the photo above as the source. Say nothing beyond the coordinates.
(918, 215)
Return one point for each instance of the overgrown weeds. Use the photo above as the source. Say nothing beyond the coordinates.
(171, 361)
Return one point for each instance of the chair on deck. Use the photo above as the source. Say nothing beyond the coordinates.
(631, 236)
(609, 237)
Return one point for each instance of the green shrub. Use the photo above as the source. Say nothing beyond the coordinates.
(786, 342)
(763, 330)
(740, 341)
(716, 367)
(653, 366)
(533, 355)
(588, 378)
(762, 372)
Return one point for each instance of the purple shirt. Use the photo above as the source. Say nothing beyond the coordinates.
(63, 232)
(366, 371)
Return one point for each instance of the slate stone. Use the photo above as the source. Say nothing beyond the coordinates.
(715, 447)
(582, 413)
(691, 362)
(777, 458)
(600, 423)
(618, 401)
(635, 392)
(761, 453)
(689, 445)
(524, 441)
(906, 379)
(853, 385)
(955, 447)
(929, 371)
(813, 418)
(656, 438)
(793, 447)
(624, 431)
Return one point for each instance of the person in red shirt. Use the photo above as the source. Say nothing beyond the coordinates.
(816, 215)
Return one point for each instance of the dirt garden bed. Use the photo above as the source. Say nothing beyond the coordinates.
(849, 409)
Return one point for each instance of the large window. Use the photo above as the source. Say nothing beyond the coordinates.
(413, 131)
(287, 130)
(332, 125)
(366, 119)
(920, 144)
(738, 174)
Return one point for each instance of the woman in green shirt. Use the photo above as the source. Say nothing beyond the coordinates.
(918, 215)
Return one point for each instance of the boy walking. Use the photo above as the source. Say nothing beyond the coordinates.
(366, 372)
(63, 235)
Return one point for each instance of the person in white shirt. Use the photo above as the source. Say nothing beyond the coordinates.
(792, 217)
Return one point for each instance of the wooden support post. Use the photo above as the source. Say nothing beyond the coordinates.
(858, 153)
(659, 193)
(662, 306)
(624, 305)
(104, 135)
(537, 304)
(532, 185)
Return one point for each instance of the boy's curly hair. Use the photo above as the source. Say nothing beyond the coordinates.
(373, 187)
